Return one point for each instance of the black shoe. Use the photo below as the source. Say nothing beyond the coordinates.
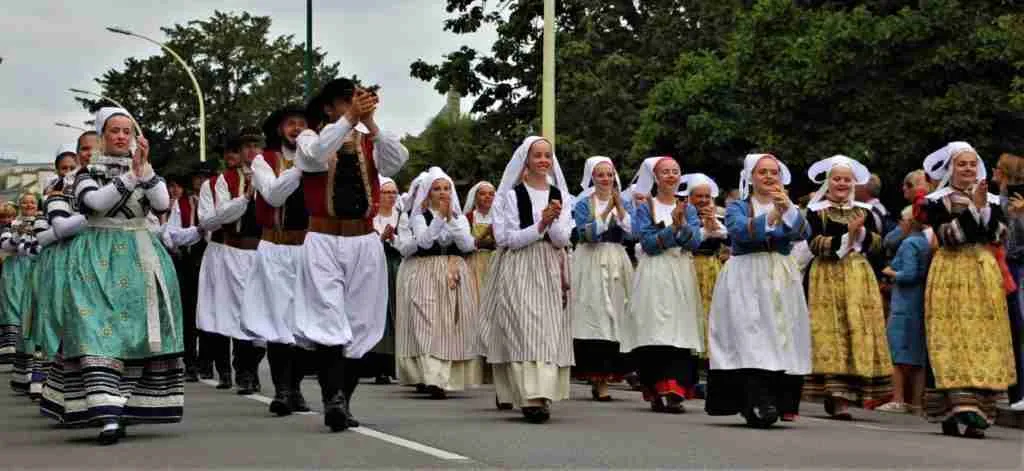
(658, 404)
(336, 414)
(297, 403)
(536, 415)
(502, 405)
(110, 437)
(224, 383)
(280, 405)
(436, 392)
(382, 380)
(245, 387)
(421, 388)
(191, 376)
(206, 371)
(762, 416)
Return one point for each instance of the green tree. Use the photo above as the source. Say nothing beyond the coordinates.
(244, 74)
(609, 55)
(884, 82)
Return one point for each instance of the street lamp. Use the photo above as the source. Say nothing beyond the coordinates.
(104, 97)
(548, 74)
(62, 124)
(195, 84)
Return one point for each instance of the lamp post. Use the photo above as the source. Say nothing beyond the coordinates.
(191, 76)
(79, 91)
(548, 79)
(308, 58)
(62, 124)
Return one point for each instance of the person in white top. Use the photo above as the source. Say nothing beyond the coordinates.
(379, 363)
(528, 330)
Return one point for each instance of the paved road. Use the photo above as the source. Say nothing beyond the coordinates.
(402, 430)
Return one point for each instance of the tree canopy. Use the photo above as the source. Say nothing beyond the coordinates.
(884, 81)
(245, 74)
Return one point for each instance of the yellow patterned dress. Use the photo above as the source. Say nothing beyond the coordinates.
(968, 334)
(850, 350)
(708, 264)
(479, 261)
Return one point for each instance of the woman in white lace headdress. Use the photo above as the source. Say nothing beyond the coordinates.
(970, 357)
(528, 331)
(438, 313)
(760, 339)
(851, 362)
(123, 336)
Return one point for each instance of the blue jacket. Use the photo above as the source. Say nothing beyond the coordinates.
(688, 237)
(750, 234)
(911, 267)
(586, 224)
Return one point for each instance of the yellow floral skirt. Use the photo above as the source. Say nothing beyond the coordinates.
(969, 348)
(708, 267)
(850, 350)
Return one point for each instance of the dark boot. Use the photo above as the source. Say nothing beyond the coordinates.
(352, 374)
(300, 360)
(331, 362)
(280, 359)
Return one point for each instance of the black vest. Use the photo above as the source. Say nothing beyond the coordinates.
(350, 195)
(525, 205)
(437, 249)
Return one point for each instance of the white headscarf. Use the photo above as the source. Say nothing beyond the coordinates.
(471, 196)
(434, 174)
(693, 180)
(644, 180)
(747, 175)
(108, 161)
(381, 181)
(821, 171)
(937, 166)
(588, 175)
(514, 171)
(66, 149)
(407, 198)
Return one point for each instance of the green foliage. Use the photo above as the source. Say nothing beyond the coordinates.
(886, 86)
(244, 75)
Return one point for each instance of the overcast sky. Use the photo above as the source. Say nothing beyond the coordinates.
(48, 46)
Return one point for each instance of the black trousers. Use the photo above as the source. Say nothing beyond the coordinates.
(338, 376)
(246, 358)
(215, 352)
(288, 364)
(188, 281)
(659, 363)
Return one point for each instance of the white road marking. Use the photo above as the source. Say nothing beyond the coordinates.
(399, 441)
(863, 426)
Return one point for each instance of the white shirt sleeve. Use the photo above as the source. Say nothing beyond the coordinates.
(275, 190)
(207, 211)
(561, 228)
(228, 210)
(506, 224)
(405, 243)
(389, 155)
(313, 150)
(460, 231)
(845, 248)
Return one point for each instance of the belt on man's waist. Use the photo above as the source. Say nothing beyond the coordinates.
(340, 227)
(244, 243)
(284, 236)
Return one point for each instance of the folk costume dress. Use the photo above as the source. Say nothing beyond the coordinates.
(707, 258)
(482, 226)
(122, 340)
(26, 361)
(848, 338)
(439, 311)
(528, 331)
(10, 328)
(968, 335)
(380, 362)
(663, 328)
(760, 345)
(602, 279)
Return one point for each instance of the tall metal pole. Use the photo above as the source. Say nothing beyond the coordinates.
(308, 62)
(191, 76)
(548, 81)
(79, 91)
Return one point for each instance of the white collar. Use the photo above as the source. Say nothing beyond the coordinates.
(825, 204)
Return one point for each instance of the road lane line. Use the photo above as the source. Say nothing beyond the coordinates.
(399, 441)
(862, 426)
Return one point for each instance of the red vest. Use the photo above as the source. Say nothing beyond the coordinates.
(185, 208)
(318, 188)
(234, 178)
(266, 215)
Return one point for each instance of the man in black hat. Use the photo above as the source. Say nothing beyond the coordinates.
(182, 216)
(268, 307)
(342, 290)
(229, 213)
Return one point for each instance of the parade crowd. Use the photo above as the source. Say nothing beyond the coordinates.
(118, 286)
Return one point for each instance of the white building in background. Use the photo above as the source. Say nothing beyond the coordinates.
(17, 178)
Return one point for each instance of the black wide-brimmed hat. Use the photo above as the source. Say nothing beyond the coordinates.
(271, 124)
